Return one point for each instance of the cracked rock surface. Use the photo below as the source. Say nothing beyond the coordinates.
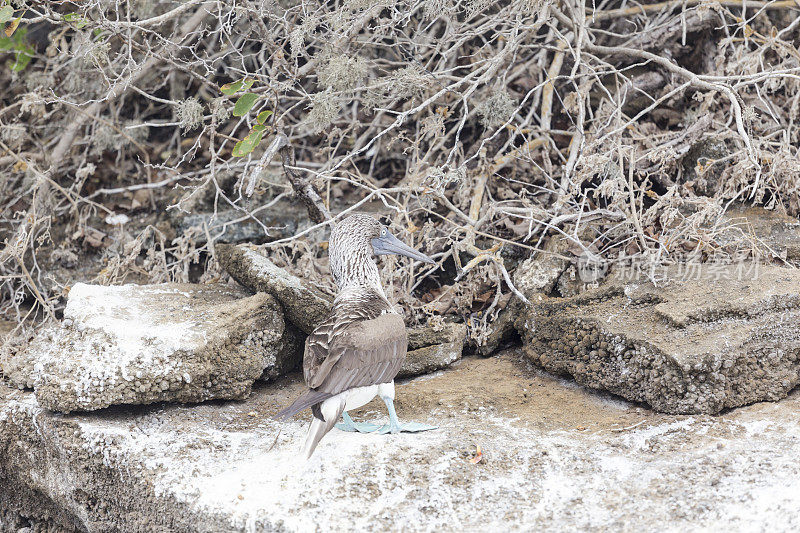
(430, 349)
(555, 457)
(139, 344)
(721, 338)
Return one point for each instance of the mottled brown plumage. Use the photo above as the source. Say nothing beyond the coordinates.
(363, 341)
(356, 346)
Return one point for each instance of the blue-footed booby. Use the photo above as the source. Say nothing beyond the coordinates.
(356, 352)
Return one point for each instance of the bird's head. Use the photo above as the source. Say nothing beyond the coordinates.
(355, 242)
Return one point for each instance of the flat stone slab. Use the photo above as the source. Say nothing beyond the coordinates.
(709, 339)
(139, 344)
(555, 457)
(432, 349)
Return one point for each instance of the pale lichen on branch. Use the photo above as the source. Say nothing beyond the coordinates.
(478, 130)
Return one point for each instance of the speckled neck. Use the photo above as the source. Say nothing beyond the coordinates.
(352, 265)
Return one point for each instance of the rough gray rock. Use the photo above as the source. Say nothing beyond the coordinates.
(201, 215)
(282, 220)
(18, 369)
(716, 340)
(570, 283)
(430, 349)
(560, 458)
(772, 233)
(139, 344)
(703, 153)
(15, 365)
(539, 274)
(304, 305)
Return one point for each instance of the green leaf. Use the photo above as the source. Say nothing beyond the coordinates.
(23, 52)
(78, 19)
(231, 88)
(234, 87)
(249, 143)
(21, 60)
(263, 116)
(6, 12)
(244, 104)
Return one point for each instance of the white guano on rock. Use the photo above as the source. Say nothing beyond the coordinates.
(139, 344)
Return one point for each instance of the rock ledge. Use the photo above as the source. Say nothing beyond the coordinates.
(139, 344)
(715, 341)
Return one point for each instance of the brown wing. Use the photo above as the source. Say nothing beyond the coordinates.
(342, 355)
(369, 352)
(317, 350)
(321, 351)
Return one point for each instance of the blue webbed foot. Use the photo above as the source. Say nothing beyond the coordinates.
(408, 427)
(394, 425)
(361, 427)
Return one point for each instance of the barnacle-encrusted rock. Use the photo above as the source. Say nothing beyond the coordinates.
(139, 344)
(708, 339)
(305, 306)
(431, 349)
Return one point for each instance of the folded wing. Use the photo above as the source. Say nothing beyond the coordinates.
(369, 352)
(356, 346)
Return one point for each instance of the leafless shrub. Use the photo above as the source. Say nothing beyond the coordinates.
(478, 128)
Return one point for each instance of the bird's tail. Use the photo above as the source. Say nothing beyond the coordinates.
(320, 427)
(311, 397)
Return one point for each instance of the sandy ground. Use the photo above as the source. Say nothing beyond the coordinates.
(555, 456)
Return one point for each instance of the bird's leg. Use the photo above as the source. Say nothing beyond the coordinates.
(386, 392)
(349, 425)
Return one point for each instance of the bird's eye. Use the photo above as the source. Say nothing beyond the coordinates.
(383, 232)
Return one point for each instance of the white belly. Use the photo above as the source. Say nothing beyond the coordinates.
(355, 398)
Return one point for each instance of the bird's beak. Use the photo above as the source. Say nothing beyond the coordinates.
(389, 244)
